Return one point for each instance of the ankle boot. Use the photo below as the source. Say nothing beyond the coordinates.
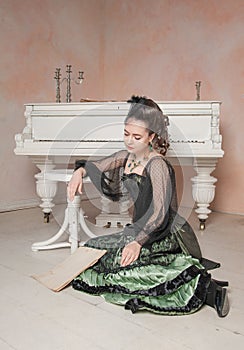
(217, 297)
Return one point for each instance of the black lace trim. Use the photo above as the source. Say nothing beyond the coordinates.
(135, 304)
(161, 289)
(197, 300)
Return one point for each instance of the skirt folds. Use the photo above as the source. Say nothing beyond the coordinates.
(163, 279)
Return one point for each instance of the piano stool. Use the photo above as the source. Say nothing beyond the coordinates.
(73, 217)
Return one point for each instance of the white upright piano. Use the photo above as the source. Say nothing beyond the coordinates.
(59, 133)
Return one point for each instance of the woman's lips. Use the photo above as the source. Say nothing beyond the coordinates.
(129, 147)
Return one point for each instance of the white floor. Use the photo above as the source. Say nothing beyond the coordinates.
(33, 317)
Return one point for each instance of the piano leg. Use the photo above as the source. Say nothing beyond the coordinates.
(202, 224)
(203, 188)
(45, 188)
(46, 217)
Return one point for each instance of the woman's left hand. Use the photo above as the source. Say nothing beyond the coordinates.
(130, 253)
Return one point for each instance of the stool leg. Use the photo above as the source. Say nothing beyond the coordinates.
(73, 215)
(83, 225)
(48, 244)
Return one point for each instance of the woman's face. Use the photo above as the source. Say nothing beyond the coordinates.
(136, 136)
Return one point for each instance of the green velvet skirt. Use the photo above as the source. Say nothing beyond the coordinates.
(163, 279)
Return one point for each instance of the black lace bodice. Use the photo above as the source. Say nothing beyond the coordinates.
(153, 193)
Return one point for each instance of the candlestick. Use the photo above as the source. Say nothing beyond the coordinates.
(58, 77)
(68, 79)
(198, 86)
(68, 94)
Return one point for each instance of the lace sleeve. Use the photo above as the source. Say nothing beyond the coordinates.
(162, 195)
(105, 164)
(105, 174)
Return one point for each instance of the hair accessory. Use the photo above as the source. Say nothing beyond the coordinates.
(137, 99)
(166, 120)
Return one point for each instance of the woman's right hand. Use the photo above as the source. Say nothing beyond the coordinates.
(75, 184)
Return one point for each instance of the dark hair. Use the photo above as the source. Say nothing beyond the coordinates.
(146, 110)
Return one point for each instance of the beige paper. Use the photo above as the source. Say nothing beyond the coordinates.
(62, 274)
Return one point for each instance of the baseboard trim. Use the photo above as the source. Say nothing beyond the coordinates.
(33, 203)
(18, 205)
(227, 212)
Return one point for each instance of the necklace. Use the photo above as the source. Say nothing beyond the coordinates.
(135, 163)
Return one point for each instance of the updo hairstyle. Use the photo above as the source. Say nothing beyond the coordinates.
(147, 111)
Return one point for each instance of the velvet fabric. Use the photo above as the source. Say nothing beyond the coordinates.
(170, 275)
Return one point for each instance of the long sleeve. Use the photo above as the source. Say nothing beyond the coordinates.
(156, 217)
(105, 164)
(105, 173)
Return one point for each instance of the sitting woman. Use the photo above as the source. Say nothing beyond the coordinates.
(155, 263)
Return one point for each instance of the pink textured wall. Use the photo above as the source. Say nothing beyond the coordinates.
(157, 48)
(160, 48)
(36, 36)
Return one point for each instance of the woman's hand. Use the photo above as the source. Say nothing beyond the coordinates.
(75, 184)
(130, 253)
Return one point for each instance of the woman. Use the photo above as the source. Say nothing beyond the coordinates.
(155, 263)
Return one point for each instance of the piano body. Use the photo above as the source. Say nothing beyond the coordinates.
(56, 134)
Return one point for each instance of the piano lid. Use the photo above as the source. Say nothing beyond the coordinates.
(193, 126)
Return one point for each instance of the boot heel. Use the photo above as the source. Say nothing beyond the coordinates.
(221, 283)
(217, 298)
(222, 302)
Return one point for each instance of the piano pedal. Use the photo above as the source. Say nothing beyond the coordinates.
(119, 225)
(202, 225)
(46, 218)
(108, 225)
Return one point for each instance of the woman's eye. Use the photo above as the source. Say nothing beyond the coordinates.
(137, 138)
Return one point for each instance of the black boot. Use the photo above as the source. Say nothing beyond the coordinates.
(221, 283)
(217, 297)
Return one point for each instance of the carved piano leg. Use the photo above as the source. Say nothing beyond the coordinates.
(46, 189)
(203, 188)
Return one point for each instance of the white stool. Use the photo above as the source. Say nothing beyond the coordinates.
(73, 218)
